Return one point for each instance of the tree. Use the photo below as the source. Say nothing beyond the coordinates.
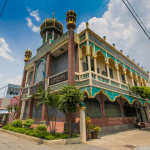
(12, 110)
(143, 91)
(70, 96)
(52, 100)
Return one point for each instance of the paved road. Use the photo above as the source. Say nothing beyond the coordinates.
(11, 142)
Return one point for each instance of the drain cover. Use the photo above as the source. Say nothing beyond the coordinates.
(130, 146)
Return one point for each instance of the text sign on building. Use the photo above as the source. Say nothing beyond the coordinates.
(34, 88)
(59, 78)
(25, 90)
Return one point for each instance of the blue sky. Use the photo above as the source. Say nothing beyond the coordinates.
(106, 17)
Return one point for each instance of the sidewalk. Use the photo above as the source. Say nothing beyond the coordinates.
(125, 140)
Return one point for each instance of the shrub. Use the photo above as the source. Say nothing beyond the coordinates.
(41, 127)
(17, 123)
(28, 122)
(74, 135)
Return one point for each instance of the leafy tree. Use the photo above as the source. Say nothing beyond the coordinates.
(143, 91)
(70, 96)
(52, 100)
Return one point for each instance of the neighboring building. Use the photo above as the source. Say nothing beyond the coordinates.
(10, 90)
(94, 66)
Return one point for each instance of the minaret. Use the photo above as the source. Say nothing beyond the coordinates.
(71, 20)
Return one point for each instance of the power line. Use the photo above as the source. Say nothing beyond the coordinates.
(137, 16)
(3, 8)
(136, 19)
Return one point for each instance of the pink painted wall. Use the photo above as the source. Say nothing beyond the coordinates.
(0, 102)
(13, 101)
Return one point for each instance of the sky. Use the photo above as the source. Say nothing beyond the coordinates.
(20, 22)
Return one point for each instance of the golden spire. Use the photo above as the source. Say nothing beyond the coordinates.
(53, 14)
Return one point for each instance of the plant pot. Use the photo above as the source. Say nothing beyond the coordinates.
(94, 135)
(87, 137)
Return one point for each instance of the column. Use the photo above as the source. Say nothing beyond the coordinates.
(89, 63)
(22, 110)
(118, 75)
(123, 115)
(48, 65)
(77, 59)
(71, 73)
(30, 108)
(44, 113)
(103, 108)
(107, 65)
(95, 65)
(22, 86)
(82, 124)
(34, 71)
(126, 79)
(137, 82)
(46, 36)
(132, 80)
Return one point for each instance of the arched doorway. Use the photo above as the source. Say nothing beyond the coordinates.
(93, 108)
(112, 109)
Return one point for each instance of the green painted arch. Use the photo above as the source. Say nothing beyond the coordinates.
(110, 56)
(99, 49)
(93, 91)
(85, 43)
(37, 67)
(119, 62)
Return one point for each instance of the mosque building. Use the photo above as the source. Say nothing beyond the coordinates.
(89, 62)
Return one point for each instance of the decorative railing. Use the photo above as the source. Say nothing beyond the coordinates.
(114, 83)
(25, 90)
(85, 75)
(124, 87)
(103, 79)
(93, 76)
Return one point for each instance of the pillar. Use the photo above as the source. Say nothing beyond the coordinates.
(126, 79)
(48, 65)
(107, 66)
(34, 71)
(95, 65)
(22, 86)
(118, 75)
(22, 110)
(123, 115)
(44, 113)
(77, 58)
(132, 81)
(82, 124)
(71, 73)
(103, 108)
(30, 108)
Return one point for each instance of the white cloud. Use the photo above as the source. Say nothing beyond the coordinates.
(36, 29)
(16, 81)
(4, 50)
(29, 22)
(34, 14)
(1, 75)
(119, 27)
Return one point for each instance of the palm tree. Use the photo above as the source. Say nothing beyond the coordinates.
(52, 100)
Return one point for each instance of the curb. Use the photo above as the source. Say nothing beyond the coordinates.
(46, 142)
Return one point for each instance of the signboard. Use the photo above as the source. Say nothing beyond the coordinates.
(33, 89)
(25, 90)
(59, 78)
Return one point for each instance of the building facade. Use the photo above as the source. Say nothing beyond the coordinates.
(91, 64)
(10, 90)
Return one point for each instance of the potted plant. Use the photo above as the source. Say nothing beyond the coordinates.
(95, 130)
(88, 127)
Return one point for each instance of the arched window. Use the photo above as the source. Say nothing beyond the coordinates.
(39, 74)
(129, 110)
(93, 109)
(49, 36)
(112, 109)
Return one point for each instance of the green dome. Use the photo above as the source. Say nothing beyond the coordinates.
(28, 52)
(51, 24)
(71, 13)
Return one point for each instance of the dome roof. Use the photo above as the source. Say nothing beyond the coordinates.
(28, 52)
(71, 13)
(51, 24)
